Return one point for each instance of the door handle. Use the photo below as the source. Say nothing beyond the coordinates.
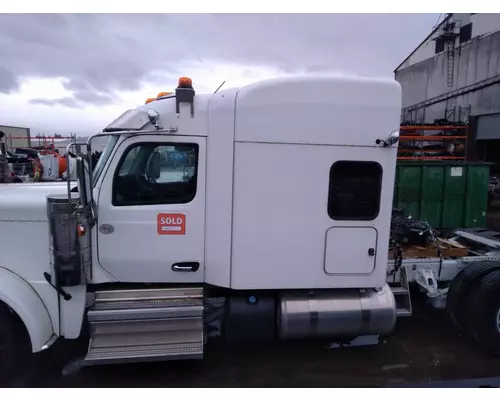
(186, 267)
(371, 252)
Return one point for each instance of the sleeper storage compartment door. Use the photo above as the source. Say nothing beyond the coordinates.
(350, 250)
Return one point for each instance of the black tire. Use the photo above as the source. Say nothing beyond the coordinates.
(461, 286)
(473, 305)
(484, 313)
(15, 348)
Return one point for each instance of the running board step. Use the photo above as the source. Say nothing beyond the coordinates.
(144, 354)
(403, 301)
(146, 304)
(146, 325)
(402, 295)
(403, 312)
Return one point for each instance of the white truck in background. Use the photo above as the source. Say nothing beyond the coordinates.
(252, 214)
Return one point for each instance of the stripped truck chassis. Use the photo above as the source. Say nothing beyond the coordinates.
(468, 288)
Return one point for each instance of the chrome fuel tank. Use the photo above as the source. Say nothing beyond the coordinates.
(336, 313)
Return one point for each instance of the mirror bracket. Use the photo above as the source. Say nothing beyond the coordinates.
(154, 118)
(390, 141)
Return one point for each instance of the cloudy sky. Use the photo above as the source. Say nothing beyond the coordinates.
(77, 72)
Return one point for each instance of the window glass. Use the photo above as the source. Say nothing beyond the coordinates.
(99, 158)
(439, 45)
(354, 192)
(153, 173)
(465, 33)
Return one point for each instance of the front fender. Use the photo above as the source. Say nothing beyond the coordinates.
(20, 296)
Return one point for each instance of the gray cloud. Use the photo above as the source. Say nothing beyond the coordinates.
(65, 101)
(8, 82)
(82, 94)
(99, 54)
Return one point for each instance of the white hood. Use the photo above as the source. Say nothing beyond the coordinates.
(27, 201)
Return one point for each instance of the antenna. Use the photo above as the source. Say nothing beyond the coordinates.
(222, 84)
(437, 22)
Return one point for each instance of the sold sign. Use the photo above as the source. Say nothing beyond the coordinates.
(171, 224)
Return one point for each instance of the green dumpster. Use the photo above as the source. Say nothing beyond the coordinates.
(448, 195)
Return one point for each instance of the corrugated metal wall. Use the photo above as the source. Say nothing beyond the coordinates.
(475, 62)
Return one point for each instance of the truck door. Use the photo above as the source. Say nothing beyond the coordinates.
(151, 210)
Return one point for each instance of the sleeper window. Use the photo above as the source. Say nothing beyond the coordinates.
(156, 173)
(354, 192)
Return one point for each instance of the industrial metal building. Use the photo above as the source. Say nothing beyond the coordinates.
(16, 136)
(454, 75)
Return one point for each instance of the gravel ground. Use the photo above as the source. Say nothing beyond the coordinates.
(424, 350)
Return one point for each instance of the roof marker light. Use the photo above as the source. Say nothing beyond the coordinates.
(163, 94)
(185, 82)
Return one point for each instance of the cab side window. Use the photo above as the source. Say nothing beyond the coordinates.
(355, 189)
(156, 173)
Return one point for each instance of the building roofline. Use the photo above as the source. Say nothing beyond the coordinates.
(17, 127)
(448, 16)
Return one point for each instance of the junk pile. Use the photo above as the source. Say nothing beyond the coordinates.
(407, 236)
(493, 189)
(437, 122)
(408, 231)
(412, 238)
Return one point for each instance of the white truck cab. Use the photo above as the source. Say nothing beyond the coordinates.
(254, 213)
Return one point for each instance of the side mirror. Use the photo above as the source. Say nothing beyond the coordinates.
(83, 182)
(154, 117)
(393, 138)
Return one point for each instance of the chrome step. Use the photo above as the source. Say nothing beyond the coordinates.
(155, 303)
(402, 295)
(145, 353)
(124, 314)
(145, 294)
(146, 325)
(403, 301)
(146, 304)
(398, 290)
(154, 298)
(403, 312)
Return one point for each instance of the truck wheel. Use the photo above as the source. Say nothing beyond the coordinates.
(460, 288)
(14, 345)
(484, 312)
(473, 305)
